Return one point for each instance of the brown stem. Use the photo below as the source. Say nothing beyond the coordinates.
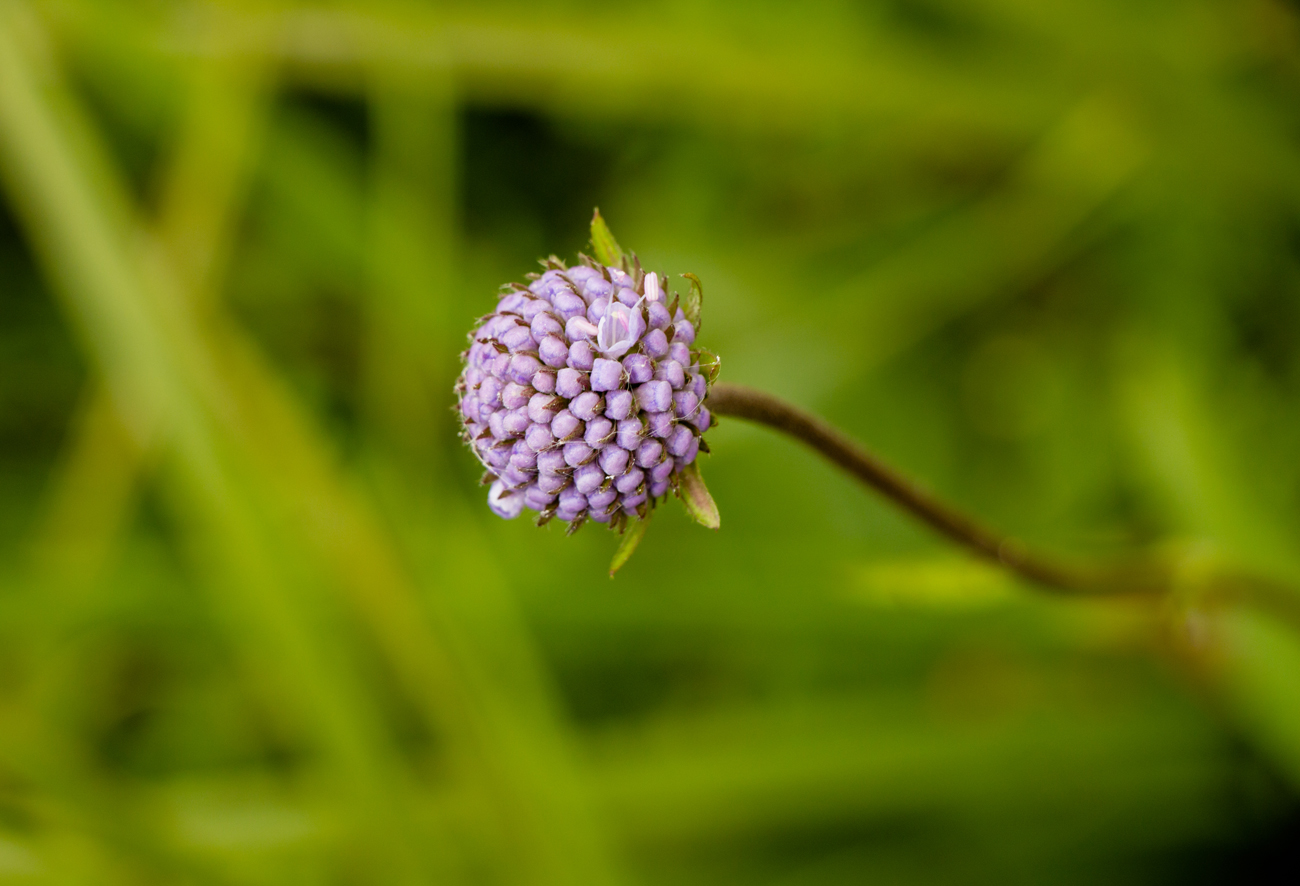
(756, 406)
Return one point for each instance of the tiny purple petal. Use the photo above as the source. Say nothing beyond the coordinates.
(588, 478)
(579, 328)
(577, 453)
(553, 351)
(523, 458)
(703, 419)
(596, 311)
(659, 317)
(533, 308)
(680, 441)
(619, 276)
(543, 407)
(582, 355)
(539, 438)
(522, 368)
(569, 304)
(613, 460)
(602, 498)
(699, 385)
(630, 481)
(631, 502)
(579, 275)
(691, 451)
(544, 381)
(660, 424)
(519, 338)
(658, 488)
(513, 478)
(587, 405)
(672, 372)
(606, 375)
(513, 301)
(685, 404)
(639, 368)
(655, 343)
(569, 383)
(679, 351)
(489, 392)
(546, 283)
(551, 484)
(567, 514)
(654, 396)
(566, 425)
(515, 395)
(599, 432)
(619, 404)
(598, 288)
(628, 296)
(496, 457)
(629, 433)
(662, 471)
(684, 331)
(540, 496)
(572, 500)
(551, 462)
(469, 407)
(649, 453)
(545, 324)
(503, 502)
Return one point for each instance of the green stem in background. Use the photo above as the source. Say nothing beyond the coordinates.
(1150, 578)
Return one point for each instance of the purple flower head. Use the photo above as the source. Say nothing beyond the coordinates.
(582, 394)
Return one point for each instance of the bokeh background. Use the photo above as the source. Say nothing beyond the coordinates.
(257, 625)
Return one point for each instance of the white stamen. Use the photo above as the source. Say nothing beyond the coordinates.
(652, 290)
(581, 327)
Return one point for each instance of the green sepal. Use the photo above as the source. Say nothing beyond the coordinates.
(710, 364)
(631, 538)
(607, 250)
(695, 495)
(693, 301)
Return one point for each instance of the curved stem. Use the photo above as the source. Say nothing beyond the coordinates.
(742, 402)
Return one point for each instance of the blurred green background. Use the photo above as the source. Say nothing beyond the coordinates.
(257, 624)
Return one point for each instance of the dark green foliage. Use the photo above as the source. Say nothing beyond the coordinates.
(257, 624)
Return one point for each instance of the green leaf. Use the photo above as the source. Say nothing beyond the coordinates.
(607, 250)
(695, 495)
(693, 301)
(631, 538)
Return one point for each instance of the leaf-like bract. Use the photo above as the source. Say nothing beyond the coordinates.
(695, 495)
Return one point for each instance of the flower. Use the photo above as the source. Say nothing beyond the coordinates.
(582, 395)
(620, 329)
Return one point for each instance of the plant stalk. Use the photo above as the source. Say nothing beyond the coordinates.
(1047, 572)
